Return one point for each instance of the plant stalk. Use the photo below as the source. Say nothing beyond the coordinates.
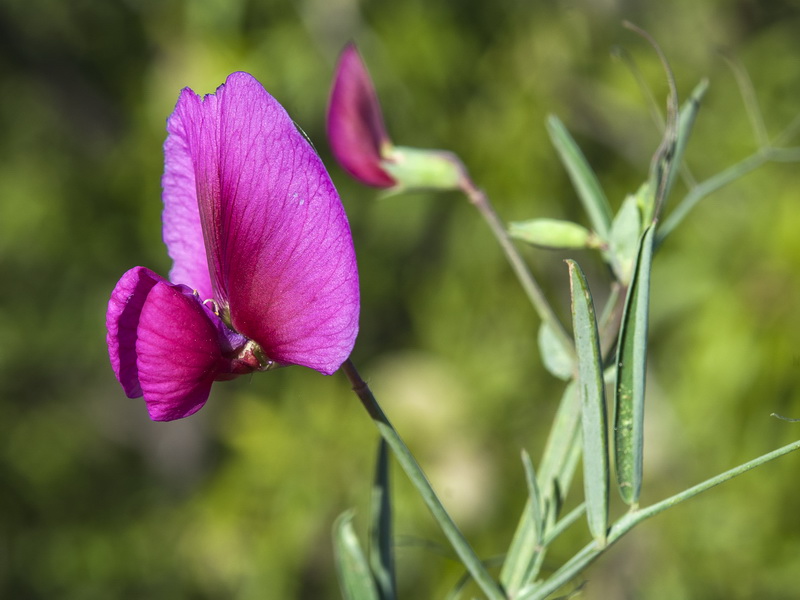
(481, 201)
(414, 472)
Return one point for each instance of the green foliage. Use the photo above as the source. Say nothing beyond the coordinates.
(238, 501)
(583, 178)
(631, 366)
(381, 548)
(354, 570)
(594, 417)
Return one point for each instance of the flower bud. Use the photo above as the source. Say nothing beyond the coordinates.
(355, 126)
(553, 233)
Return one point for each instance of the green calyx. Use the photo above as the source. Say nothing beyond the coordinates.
(415, 168)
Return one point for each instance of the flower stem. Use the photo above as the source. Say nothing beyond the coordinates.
(414, 472)
(592, 551)
(481, 201)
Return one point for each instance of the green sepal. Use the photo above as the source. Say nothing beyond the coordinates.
(417, 168)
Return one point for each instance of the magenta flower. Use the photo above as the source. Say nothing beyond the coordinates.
(355, 126)
(264, 272)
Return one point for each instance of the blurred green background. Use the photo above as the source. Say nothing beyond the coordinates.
(98, 502)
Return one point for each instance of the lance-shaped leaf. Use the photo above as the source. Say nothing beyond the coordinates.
(555, 357)
(381, 551)
(521, 562)
(555, 474)
(686, 117)
(537, 514)
(583, 178)
(355, 578)
(593, 404)
(561, 452)
(626, 231)
(631, 366)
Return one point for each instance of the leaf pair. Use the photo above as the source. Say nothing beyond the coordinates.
(629, 390)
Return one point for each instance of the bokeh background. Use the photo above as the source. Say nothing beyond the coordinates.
(98, 502)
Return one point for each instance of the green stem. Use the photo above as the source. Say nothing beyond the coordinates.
(481, 201)
(712, 184)
(414, 472)
(564, 523)
(549, 538)
(592, 551)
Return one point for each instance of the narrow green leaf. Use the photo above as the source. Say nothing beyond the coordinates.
(522, 552)
(381, 551)
(583, 178)
(527, 569)
(555, 357)
(561, 452)
(631, 365)
(554, 477)
(686, 118)
(626, 230)
(709, 186)
(537, 516)
(355, 578)
(574, 566)
(593, 404)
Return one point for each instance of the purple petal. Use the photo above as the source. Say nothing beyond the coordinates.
(355, 124)
(178, 353)
(122, 321)
(182, 231)
(166, 345)
(282, 256)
